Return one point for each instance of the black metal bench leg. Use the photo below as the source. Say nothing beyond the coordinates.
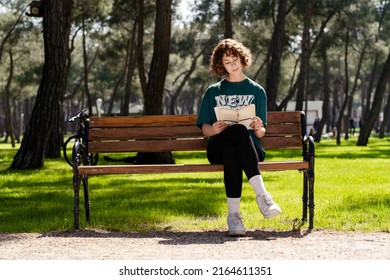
(310, 174)
(87, 203)
(311, 198)
(76, 200)
(305, 197)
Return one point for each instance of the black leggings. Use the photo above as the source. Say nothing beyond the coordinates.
(234, 148)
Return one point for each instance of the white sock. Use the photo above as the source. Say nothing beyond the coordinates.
(257, 184)
(233, 204)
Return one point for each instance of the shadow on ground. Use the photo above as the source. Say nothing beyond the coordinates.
(182, 238)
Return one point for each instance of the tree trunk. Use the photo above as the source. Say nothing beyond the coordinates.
(276, 48)
(86, 70)
(160, 60)
(56, 137)
(228, 20)
(140, 46)
(8, 115)
(131, 65)
(353, 90)
(341, 117)
(367, 101)
(376, 105)
(325, 104)
(153, 94)
(16, 120)
(386, 116)
(46, 111)
(366, 106)
(302, 90)
(116, 89)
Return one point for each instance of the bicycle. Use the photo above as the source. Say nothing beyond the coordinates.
(78, 141)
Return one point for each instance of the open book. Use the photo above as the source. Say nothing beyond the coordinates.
(242, 115)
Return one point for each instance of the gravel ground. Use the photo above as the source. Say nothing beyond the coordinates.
(93, 244)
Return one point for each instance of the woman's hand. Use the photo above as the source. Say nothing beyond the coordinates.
(219, 126)
(258, 126)
(211, 130)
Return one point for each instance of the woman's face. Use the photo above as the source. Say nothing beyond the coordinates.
(232, 64)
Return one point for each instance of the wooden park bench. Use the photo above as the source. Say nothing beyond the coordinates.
(166, 133)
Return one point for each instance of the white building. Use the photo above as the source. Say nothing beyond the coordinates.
(314, 111)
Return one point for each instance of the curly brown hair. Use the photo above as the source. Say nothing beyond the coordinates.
(230, 47)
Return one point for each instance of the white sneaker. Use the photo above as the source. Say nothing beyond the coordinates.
(267, 206)
(235, 225)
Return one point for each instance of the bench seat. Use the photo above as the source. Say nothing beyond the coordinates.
(184, 168)
(170, 133)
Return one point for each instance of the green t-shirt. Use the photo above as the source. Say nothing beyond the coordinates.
(233, 95)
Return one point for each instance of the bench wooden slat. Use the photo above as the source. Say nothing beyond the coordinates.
(183, 168)
(282, 142)
(148, 146)
(139, 121)
(144, 133)
(181, 145)
(151, 121)
(293, 129)
(179, 131)
(283, 117)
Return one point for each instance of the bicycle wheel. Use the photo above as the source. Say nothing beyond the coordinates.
(67, 148)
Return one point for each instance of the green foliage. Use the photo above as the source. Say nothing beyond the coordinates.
(352, 193)
(109, 25)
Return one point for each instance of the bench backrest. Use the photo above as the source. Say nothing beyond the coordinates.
(179, 133)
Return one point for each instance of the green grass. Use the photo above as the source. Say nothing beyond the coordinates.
(352, 193)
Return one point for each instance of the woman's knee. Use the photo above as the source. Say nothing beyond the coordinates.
(239, 129)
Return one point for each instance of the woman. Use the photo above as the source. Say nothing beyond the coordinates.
(234, 146)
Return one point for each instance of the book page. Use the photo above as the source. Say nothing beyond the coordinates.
(246, 114)
(229, 116)
(233, 116)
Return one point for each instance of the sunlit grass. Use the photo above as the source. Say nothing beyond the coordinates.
(352, 193)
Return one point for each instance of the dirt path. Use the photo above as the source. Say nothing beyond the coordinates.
(266, 245)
